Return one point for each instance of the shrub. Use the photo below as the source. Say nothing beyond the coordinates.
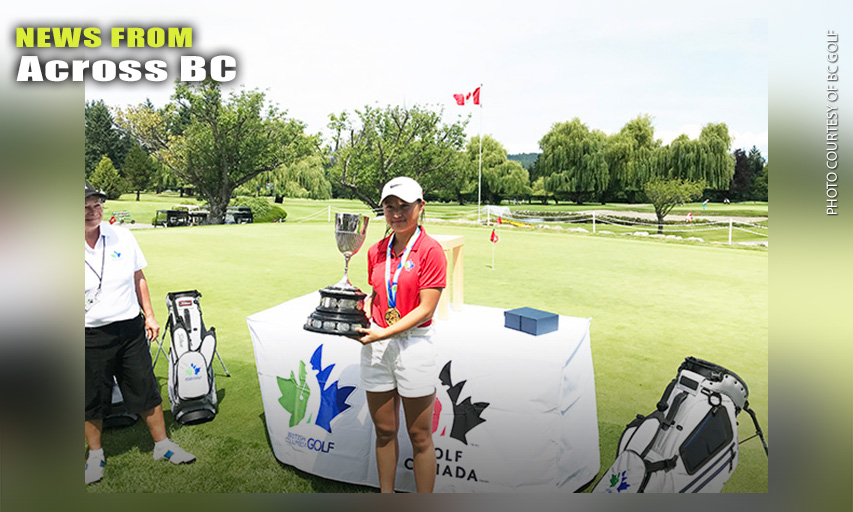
(275, 214)
(262, 210)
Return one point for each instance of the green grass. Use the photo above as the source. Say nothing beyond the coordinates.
(651, 304)
(143, 210)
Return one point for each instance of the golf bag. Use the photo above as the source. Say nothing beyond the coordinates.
(690, 443)
(192, 390)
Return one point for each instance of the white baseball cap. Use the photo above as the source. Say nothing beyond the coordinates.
(403, 187)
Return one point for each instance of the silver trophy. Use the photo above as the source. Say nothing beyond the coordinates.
(341, 307)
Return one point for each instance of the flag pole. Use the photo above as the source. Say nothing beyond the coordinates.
(480, 169)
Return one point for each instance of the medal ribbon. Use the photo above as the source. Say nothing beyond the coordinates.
(392, 286)
(103, 259)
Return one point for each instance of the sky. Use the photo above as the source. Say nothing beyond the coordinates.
(539, 63)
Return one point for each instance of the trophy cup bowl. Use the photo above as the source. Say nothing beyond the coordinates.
(341, 308)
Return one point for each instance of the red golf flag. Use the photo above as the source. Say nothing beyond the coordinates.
(500, 220)
(494, 237)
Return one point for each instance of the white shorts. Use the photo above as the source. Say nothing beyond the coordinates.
(406, 362)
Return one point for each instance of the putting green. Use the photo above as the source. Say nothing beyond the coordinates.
(651, 304)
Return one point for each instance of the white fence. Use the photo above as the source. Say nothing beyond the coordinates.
(597, 222)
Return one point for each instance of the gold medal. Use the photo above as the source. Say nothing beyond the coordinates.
(392, 316)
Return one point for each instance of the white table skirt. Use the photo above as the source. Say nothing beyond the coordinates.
(536, 395)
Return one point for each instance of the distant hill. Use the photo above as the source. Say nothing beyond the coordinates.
(525, 159)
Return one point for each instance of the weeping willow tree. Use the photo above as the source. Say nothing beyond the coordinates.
(704, 159)
(304, 179)
(573, 161)
(631, 157)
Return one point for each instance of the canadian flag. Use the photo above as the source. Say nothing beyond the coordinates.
(462, 98)
(689, 216)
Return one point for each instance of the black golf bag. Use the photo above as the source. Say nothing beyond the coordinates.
(690, 443)
(192, 390)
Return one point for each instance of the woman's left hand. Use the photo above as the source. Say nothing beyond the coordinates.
(371, 335)
(152, 328)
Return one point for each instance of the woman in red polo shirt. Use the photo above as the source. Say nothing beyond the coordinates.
(407, 271)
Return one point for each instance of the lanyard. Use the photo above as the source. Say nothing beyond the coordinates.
(103, 258)
(392, 286)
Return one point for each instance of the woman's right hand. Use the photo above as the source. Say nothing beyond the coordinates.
(370, 335)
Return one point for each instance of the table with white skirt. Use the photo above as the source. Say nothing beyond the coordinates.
(513, 411)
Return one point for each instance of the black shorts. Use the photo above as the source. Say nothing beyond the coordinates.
(119, 349)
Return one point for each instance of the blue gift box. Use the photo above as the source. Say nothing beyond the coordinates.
(531, 321)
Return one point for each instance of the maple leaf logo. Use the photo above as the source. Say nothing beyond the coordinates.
(624, 485)
(294, 395)
(621, 479)
(332, 398)
(466, 415)
(614, 479)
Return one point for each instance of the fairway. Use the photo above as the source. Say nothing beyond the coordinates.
(651, 303)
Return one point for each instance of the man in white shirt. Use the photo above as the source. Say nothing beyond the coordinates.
(118, 336)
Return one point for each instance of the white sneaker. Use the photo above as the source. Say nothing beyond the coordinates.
(170, 451)
(94, 469)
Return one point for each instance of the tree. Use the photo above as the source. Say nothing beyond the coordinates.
(537, 189)
(224, 144)
(508, 179)
(665, 194)
(101, 136)
(303, 179)
(629, 157)
(105, 177)
(388, 142)
(760, 185)
(138, 169)
(514, 179)
(493, 156)
(573, 161)
(459, 183)
(706, 158)
(756, 165)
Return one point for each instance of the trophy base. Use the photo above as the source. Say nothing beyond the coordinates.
(340, 312)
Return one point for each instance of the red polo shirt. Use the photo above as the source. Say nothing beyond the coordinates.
(426, 267)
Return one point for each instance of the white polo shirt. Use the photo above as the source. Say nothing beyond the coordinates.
(118, 253)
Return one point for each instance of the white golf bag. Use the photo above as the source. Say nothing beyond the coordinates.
(192, 390)
(690, 443)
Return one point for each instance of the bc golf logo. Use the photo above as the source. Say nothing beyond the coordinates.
(192, 370)
(618, 482)
(295, 399)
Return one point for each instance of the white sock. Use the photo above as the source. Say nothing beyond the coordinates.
(96, 454)
(161, 442)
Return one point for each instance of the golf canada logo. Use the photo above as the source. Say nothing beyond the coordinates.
(466, 415)
(295, 395)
